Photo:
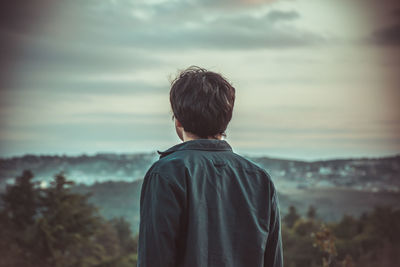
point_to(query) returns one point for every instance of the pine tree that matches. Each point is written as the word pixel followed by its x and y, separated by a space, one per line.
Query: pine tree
pixel 311 213
pixel 55 227
pixel 291 218
pixel 17 218
pixel 20 201
pixel 67 225
pixel 127 243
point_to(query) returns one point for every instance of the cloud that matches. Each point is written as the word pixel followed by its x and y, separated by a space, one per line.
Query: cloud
pixel 272 30
pixel 77 38
pixel 277 15
pixel 101 37
pixel 219 31
pixel 166 25
pixel 60 87
pixel 238 31
pixel 55 57
pixel 236 3
pixel 90 71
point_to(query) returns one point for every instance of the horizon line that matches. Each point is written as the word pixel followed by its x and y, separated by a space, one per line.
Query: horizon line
pixel 255 155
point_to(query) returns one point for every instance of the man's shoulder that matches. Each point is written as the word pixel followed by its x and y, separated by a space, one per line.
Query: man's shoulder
pixel 255 168
pixel 167 166
pixel 249 164
pixel 177 163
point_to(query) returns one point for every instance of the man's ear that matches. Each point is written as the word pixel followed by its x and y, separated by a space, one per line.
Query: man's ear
pixel 178 123
pixel 179 129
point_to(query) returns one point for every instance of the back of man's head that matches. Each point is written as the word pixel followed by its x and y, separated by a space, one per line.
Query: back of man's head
pixel 202 101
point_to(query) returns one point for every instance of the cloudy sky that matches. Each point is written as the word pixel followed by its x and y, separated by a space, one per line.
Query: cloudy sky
pixel 315 79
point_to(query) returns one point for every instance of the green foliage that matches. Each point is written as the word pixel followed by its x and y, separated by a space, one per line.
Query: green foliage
pixel 347 228
pixel 311 213
pixel 385 222
pixel 304 227
pixel 126 242
pixel 371 240
pixel 298 244
pixel 325 241
pixel 56 227
pixel 291 217
pixel 17 222
pixel 19 201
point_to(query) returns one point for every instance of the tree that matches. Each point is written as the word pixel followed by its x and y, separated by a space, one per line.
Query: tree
pixel 67 225
pixel 291 217
pixel 304 227
pixel 325 241
pixel 127 243
pixel 385 222
pixel 311 213
pixel 20 201
pixel 17 218
pixel 347 228
pixel 59 228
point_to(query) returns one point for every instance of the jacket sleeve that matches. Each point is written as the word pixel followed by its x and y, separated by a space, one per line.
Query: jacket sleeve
pixel 160 212
pixel 273 256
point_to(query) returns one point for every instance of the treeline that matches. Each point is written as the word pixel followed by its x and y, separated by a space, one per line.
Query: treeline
pixel 371 240
pixel 55 227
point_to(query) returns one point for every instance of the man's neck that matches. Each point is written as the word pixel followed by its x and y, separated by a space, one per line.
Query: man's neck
pixel 189 136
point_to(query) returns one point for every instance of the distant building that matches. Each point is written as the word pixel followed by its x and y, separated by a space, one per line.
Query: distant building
pixel 324 170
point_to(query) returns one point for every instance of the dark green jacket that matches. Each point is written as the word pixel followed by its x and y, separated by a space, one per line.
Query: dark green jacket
pixel 203 205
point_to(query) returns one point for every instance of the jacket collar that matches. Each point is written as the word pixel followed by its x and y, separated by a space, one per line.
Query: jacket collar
pixel 198 144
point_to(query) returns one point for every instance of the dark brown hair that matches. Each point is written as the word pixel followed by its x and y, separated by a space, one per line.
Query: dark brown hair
pixel 202 101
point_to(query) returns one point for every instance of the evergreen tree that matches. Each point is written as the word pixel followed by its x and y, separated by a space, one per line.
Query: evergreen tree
pixel 67 225
pixel 311 213
pixel 20 201
pixel 54 227
pixel 347 228
pixel 305 227
pixel 127 243
pixel 384 221
pixel 17 221
pixel 291 218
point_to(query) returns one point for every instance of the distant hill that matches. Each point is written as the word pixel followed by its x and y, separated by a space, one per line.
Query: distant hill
pixel 81 169
pixel 367 174
pixel 334 187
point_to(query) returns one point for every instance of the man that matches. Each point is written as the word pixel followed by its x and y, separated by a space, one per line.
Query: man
pixel 201 204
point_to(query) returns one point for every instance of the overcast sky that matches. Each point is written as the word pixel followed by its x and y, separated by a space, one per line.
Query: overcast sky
pixel 315 79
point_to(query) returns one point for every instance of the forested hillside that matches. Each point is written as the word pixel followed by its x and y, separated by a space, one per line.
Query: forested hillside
pixel 362 174
pixel 68 225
